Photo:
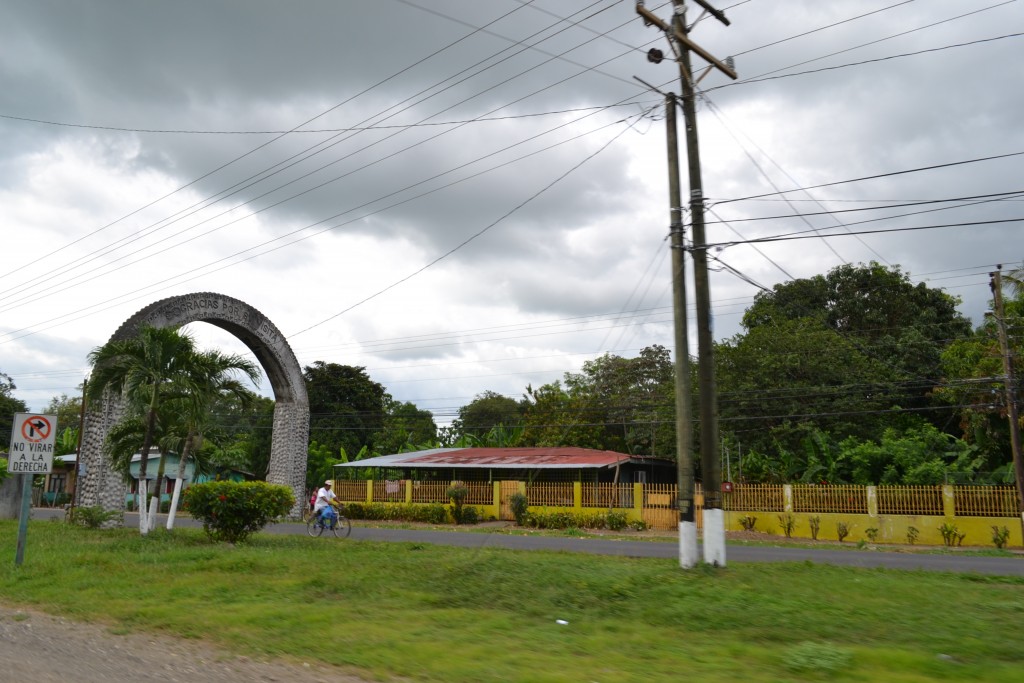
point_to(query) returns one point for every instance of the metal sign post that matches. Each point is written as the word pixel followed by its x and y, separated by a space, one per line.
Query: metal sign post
pixel 32 441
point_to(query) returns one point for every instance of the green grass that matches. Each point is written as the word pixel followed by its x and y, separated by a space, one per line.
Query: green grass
pixel 433 613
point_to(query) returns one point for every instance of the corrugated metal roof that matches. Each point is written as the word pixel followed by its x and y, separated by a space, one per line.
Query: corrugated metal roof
pixel 497 458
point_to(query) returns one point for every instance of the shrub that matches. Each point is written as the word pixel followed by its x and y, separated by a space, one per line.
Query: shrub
pixel 912 533
pixel 815 524
pixel 519 504
pixel 788 523
pixel 435 513
pixel 457 493
pixel 842 530
pixel 871 533
pixel 1000 536
pixel 951 535
pixel 614 520
pixel 94 516
pixel 470 515
pixel 231 511
pixel 638 525
pixel 617 520
pixel 748 522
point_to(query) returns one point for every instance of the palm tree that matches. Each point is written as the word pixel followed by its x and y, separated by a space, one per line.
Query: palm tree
pixel 213 375
pixel 1015 279
pixel 141 369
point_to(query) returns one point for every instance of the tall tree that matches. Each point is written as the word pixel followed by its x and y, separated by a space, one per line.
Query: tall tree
pixel 486 411
pixel 246 426
pixel 211 375
pixel 142 369
pixel 634 397
pixel 840 352
pixel 901 324
pixel 346 407
pixel 614 403
pixel 973 383
pixel 557 416
pixel 406 427
pixel 67 409
pixel 8 407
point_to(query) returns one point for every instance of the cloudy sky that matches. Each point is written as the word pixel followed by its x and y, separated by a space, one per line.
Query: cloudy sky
pixel 464 196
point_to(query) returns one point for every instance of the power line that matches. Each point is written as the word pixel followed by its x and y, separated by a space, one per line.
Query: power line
pixel 1001 196
pixel 873 177
pixel 256 178
pixel 35 296
pixel 277 239
pixel 882 40
pixel 800 236
pixel 471 238
pixel 349 129
pixel 868 61
pixel 269 142
pixel 821 28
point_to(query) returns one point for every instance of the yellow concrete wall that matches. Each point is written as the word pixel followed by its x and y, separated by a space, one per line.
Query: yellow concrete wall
pixel 891 528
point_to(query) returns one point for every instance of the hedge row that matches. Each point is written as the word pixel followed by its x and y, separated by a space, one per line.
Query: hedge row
pixel 434 513
pixel 616 521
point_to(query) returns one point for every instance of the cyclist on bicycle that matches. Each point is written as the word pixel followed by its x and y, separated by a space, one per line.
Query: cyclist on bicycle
pixel 324 509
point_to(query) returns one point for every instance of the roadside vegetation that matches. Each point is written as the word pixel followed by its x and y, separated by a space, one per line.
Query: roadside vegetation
pixel 430 613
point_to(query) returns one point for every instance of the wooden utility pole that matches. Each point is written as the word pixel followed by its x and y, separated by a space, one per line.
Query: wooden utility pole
pixel 78 449
pixel 688 556
pixel 1009 387
pixel 711 466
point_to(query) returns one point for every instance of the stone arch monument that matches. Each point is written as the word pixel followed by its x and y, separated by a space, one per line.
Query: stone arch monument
pixel 289 444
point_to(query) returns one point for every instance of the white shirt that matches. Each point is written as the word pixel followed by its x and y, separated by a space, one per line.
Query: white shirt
pixel 323 498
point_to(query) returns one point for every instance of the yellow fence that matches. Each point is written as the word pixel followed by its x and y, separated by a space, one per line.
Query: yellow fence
pixel 756 497
pixel 910 500
pixel 885 513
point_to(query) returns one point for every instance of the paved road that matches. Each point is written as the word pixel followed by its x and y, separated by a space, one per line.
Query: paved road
pixel 946 562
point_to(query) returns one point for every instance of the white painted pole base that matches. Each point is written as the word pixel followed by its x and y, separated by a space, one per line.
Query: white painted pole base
pixel 154 507
pixel 143 509
pixel 688 554
pixel 172 513
pixel 714 537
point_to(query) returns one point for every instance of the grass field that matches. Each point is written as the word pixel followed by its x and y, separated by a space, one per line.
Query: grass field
pixel 433 613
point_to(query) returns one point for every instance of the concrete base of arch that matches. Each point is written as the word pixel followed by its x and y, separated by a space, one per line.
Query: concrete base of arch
pixel 100 485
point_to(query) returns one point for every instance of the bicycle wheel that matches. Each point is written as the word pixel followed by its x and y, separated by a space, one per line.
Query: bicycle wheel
pixel 342 527
pixel 313 527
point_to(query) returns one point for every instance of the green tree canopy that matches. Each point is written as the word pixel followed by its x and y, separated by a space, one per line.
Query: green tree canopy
pixel 851 352
pixel 613 403
pixel 406 427
pixel 901 324
pixel 486 411
pixel 347 408
pixel 973 380
pixel 8 407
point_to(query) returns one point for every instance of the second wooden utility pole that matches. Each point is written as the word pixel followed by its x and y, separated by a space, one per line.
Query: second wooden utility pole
pixel 688 556
pixel 711 466
pixel 1009 388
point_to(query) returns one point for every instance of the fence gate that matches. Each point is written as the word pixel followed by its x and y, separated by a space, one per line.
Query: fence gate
pixel 507 489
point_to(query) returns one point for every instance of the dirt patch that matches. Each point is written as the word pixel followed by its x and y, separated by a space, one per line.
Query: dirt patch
pixel 45 649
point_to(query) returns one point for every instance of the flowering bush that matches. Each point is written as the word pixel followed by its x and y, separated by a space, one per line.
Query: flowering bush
pixel 231 510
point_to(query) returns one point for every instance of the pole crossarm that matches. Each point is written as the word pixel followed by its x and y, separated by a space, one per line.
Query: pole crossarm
pixel 681 36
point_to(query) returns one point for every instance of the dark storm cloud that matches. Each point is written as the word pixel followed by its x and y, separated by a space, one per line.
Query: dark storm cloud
pixel 579 248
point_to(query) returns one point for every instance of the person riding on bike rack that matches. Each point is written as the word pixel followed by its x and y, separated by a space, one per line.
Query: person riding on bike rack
pixel 324 508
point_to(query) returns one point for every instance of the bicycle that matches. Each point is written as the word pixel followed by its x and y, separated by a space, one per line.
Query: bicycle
pixel 315 526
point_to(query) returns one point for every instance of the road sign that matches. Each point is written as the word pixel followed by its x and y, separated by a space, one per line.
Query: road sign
pixel 32 441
